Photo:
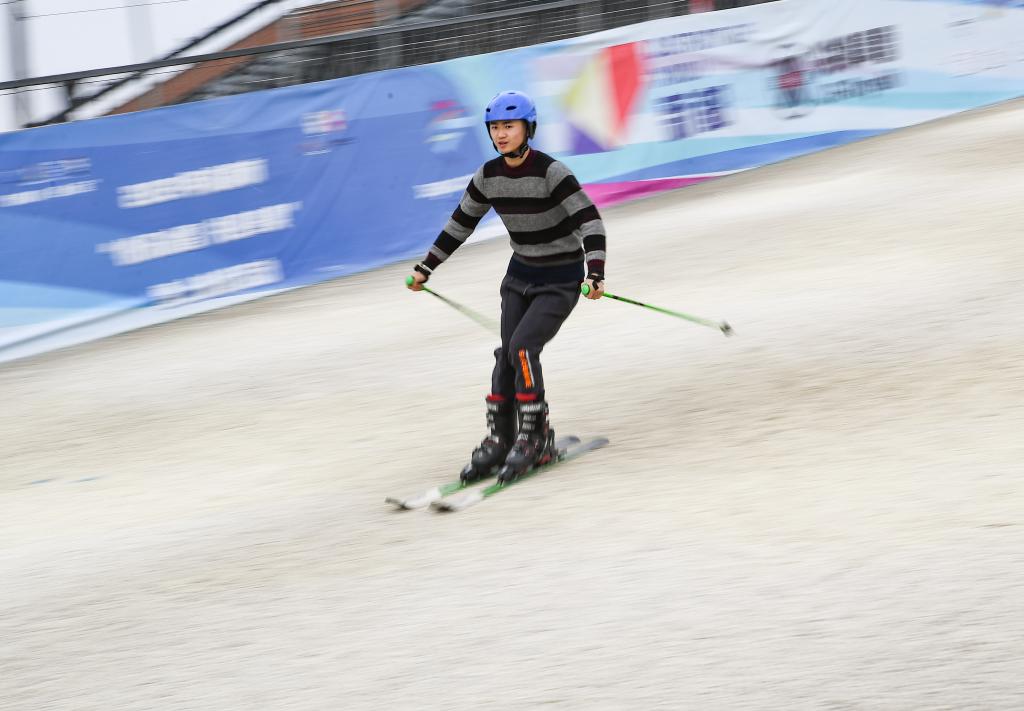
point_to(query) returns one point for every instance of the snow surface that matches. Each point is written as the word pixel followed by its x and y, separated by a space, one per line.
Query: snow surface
pixel 823 512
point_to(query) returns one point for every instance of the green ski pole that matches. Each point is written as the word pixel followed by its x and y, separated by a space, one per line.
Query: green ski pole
pixel 721 326
pixel 487 323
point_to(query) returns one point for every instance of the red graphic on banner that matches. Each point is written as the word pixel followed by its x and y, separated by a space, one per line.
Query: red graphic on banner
pixel 601 100
pixel 626 72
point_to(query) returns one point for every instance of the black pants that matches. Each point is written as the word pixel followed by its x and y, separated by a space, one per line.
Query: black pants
pixel 531 315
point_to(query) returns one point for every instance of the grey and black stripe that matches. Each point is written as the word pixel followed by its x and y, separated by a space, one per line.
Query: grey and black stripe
pixel 552 223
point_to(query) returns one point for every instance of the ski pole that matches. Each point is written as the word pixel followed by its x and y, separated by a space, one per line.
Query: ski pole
pixel 464 310
pixel 721 326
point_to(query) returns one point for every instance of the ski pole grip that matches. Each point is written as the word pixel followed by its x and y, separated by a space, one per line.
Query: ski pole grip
pixel 408 281
pixel 585 289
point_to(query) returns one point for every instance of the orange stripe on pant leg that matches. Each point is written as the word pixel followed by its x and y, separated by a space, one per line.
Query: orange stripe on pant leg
pixel 525 364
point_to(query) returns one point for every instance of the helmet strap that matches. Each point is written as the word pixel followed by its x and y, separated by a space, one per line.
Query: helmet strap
pixel 517 153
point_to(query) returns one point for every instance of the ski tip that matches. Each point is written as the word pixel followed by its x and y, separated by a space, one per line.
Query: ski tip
pixel 415 502
pixel 585 446
pixel 400 505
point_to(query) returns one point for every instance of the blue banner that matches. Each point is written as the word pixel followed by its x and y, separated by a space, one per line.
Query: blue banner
pixel 189 203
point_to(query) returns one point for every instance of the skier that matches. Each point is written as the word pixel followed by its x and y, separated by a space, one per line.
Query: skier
pixel 555 229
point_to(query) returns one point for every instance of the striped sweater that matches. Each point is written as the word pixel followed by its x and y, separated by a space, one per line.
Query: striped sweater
pixel 552 223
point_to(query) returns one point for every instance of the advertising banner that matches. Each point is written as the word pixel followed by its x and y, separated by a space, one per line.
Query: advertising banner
pixel 112 223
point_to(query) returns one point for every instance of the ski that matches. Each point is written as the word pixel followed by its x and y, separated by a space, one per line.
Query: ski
pixel 426 498
pixel 470 498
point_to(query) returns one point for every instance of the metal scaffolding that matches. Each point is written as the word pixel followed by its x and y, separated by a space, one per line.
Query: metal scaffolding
pixel 434 32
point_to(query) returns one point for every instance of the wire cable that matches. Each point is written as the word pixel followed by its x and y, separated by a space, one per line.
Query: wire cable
pixel 100 9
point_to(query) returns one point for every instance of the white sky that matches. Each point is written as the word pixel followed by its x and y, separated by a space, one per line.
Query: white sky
pixel 75 42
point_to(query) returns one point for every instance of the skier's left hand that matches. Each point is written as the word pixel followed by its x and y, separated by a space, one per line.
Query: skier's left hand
pixel 596 285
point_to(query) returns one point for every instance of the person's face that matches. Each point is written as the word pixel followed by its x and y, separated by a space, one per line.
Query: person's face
pixel 508 135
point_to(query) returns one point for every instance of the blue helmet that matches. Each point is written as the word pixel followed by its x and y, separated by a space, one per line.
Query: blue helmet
pixel 512 106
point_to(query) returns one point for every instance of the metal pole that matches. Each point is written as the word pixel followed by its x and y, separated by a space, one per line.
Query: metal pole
pixel 19 60
pixel 141 30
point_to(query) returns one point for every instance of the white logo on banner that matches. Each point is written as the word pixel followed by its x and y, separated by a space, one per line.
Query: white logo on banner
pixel 452 186
pixel 194 183
pixel 318 123
pixel 189 238
pixel 325 130
pixel 219 282
pixel 29 197
pixel 48 171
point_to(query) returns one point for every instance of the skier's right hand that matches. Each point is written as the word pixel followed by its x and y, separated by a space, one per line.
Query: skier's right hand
pixel 417 281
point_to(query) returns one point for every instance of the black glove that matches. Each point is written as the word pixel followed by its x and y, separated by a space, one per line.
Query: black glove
pixel 424 270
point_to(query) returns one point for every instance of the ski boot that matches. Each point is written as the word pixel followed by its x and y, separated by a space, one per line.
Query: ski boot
pixel 535 445
pixel 492 451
